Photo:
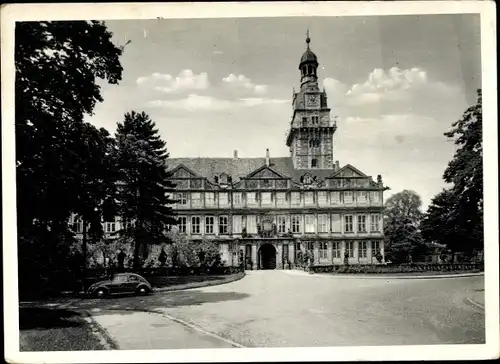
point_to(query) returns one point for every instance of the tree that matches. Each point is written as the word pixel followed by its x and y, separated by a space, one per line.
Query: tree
pixel 401 229
pixel 141 157
pixel 441 223
pixel 57 65
pixel 465 172
pixel 455 216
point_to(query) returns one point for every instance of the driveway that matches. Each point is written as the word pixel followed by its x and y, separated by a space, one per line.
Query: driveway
pixel 282 309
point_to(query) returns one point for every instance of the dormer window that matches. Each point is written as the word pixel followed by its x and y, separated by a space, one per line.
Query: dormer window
pixel 216 179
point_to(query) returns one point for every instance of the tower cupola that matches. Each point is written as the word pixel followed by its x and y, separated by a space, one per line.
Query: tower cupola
pixel 308 64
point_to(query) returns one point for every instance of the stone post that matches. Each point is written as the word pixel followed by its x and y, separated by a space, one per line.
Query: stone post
pixel 279 255
pixel 291 253
pixel 254 256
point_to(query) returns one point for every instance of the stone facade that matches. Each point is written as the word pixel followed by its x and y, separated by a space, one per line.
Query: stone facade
pixel 267 211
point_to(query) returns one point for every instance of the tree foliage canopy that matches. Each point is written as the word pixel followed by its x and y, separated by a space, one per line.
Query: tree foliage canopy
pixel 455 216
pixel 402 235
pixel 60 159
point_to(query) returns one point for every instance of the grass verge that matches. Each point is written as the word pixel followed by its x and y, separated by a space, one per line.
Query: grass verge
pixel 56 329
pixel 176 283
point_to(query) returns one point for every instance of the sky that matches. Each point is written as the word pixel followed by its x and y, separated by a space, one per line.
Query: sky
pixel 212 86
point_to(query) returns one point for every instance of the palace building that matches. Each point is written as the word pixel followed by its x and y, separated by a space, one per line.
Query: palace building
pixel 267 211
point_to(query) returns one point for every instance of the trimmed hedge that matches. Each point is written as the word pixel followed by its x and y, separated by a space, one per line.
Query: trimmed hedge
pixel 402 268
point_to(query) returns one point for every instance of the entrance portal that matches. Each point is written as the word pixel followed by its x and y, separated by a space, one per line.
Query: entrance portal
pixel 267 256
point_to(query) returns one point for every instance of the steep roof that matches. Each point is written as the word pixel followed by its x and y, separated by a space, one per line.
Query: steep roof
pixel 241 167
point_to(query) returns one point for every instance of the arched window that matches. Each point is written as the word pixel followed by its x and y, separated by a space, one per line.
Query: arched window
pixel 314 163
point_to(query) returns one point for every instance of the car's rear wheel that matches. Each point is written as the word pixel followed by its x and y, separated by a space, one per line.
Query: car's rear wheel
pixel 142 290
pixel 101 293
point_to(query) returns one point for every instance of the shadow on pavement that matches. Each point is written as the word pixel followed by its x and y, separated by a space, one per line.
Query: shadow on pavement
pixel 158 300
pixel 47 318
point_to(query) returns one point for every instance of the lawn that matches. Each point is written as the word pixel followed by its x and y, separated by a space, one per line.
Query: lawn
pixel 55 329
pixel 194 281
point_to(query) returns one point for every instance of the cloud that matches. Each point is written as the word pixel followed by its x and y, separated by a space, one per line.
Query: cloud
pixel 195 102
pixel 184 81
pixel 396 91
pixel 241 81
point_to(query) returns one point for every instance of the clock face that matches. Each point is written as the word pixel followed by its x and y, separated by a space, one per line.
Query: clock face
pixel 312 100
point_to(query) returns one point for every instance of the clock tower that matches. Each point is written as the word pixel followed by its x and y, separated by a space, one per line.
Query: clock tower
pixel 310 137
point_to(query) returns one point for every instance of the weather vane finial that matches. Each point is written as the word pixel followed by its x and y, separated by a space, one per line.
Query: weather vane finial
pixel 308 40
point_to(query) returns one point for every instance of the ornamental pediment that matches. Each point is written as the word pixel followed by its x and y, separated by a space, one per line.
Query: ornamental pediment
pixel 265 172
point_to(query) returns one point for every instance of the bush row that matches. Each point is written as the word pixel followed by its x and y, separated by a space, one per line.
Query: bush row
pixel 402 268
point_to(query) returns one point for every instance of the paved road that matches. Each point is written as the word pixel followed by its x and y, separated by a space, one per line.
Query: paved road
pixel 280 309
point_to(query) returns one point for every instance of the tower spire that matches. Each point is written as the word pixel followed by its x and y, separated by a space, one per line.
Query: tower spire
pixel 308 40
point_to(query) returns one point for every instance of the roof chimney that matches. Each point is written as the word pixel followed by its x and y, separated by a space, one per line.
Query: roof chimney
pixel 267 157
pixel 235 154
pixel 337 165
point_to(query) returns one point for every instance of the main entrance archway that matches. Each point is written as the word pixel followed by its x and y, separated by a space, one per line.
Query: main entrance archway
pixel 267 256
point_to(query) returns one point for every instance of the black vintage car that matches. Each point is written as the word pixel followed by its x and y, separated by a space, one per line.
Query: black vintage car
pixel 120 283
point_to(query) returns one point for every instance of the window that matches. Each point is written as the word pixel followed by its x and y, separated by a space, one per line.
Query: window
pixel 309 198
pixel 310 245
pixel 322 198
pixel 349 249
pixel 362 223
pixel 195 225
pixel 375 247
pixel 237 224
pixel 314 143
pixel 265 183
pixel 323 250
pixel 251 224
pixel 281 224
pixel 314 163
pixel 362 196
pixel 375 226
pixel 109 227
pixel 182 198
pixel 347 196
pixel 336 223
pixel 266 198
pixel 223 199
pixel 223 224
pixel 237 200
pixel 297 250
pixel 295 223
pixel 374 196
pixel 309 228
pixel 362 249
pixel 335 198
pixel 281 198
pixel 322 225
pixel 348 228
pixel 182 224
pixel 77 225
pixel 336 249
pixel 251 198
pixel 209 224
pixel 304 121
pixel 209 198
pixel 315 119
pixel 196 199
pixel 295 198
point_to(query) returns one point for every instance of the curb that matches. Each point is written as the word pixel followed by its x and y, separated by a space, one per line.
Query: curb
pixel 474 303
pixel 387 277
pixel 187 324
pixel 100 332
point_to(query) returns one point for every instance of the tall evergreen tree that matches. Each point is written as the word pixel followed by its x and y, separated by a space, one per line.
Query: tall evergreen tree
pixel 144 189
